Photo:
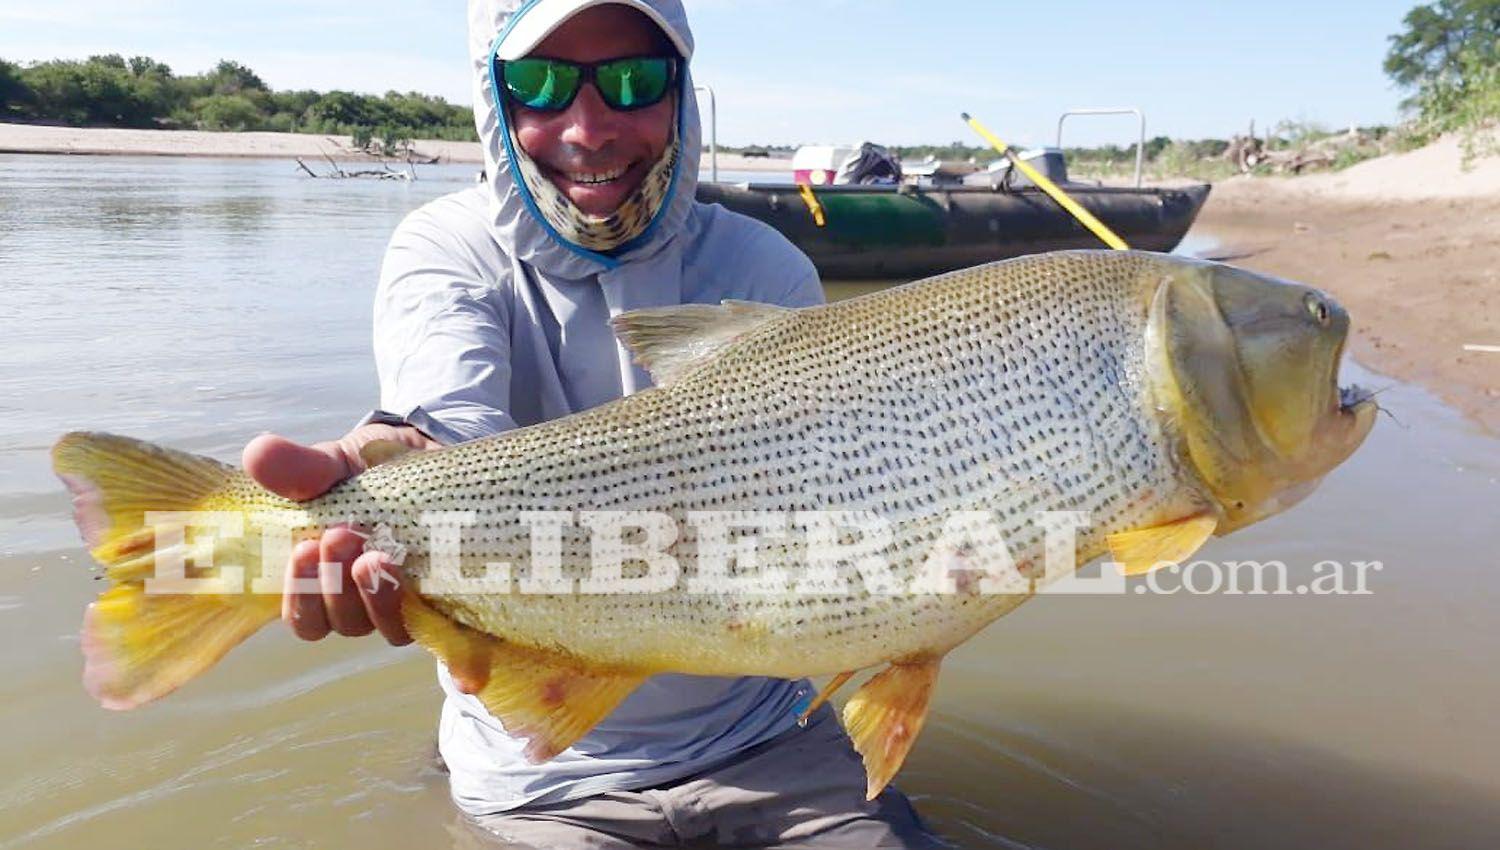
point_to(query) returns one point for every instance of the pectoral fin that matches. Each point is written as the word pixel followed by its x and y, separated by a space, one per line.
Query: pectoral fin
pixel 1141 551
pixel 884 717
pixel 546 698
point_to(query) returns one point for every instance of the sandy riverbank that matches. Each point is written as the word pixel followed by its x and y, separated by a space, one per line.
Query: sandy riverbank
pixel 30 138
pixel 1410 244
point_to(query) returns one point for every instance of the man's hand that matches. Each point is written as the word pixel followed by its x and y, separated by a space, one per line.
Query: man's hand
pixel 363 593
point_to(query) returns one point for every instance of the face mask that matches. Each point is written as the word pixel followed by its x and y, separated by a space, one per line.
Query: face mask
pixel 594 233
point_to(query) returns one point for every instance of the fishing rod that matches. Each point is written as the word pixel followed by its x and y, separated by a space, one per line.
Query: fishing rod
pixel 1097 227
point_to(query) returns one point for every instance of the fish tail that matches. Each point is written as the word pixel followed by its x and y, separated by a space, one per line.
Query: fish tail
pixel 140 643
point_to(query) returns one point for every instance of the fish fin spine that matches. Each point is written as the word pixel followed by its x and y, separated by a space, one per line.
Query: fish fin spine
pixel 670 341
pixel 824 695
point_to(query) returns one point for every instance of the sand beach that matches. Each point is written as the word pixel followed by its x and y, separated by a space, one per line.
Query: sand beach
pixel 104 141
pixel 1409 243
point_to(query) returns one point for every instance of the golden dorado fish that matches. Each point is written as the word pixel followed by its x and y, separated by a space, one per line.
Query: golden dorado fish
pixel 804 492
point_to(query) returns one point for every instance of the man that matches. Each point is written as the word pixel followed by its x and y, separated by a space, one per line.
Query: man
pixel 493 312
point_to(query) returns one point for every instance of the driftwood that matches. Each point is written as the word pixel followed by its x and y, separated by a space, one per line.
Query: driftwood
pixel 407 153
pixel 1298 161
pixel 1249 152
pixel 338 173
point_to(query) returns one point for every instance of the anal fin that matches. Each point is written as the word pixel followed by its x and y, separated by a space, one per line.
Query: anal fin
pixel 546 698
pixel 886 714
pixel 1143 550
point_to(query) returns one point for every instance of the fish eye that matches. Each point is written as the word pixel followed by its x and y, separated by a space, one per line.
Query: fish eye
pixel 1319 310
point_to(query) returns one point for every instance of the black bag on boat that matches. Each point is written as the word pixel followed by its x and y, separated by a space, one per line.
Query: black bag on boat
pixel 870 165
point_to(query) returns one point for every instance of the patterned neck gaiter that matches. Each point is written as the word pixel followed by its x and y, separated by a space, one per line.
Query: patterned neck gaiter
pixel 593 232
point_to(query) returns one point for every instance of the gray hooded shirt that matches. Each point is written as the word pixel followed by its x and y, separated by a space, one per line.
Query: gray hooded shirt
pixel 486 320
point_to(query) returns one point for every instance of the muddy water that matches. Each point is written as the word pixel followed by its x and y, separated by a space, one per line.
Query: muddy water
pixel 200 302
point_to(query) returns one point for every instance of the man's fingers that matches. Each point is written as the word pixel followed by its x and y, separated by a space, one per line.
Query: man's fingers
pixel 380 585
pixel 346 612
pixel 293 470
pixel 304 611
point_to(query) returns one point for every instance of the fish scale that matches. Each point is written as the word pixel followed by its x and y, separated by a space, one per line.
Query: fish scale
pixel 1012 388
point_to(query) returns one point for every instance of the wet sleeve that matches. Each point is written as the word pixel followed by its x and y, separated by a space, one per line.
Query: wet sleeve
pixel 441 335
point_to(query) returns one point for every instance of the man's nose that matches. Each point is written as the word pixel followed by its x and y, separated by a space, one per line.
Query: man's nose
pixel 591 123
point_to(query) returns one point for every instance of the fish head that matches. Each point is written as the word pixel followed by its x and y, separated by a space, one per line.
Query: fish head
pixel 1247 366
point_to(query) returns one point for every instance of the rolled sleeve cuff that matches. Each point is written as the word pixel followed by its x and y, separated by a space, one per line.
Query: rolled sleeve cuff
pixel 416 418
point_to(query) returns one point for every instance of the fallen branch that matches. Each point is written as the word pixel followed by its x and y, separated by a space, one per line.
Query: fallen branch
pixel 338 173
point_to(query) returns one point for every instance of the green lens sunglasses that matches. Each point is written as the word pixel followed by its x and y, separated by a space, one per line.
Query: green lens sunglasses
pixel 550 85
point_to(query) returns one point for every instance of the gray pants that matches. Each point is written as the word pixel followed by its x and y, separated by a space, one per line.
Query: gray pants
pixel 803 788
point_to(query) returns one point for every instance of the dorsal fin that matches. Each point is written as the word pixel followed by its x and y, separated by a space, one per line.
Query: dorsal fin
pixel 669 341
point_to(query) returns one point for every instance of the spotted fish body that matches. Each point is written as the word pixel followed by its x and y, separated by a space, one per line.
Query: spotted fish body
pixel 1014 388
pixel 1164 399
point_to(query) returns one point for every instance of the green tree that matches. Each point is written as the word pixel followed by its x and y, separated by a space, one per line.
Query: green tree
pixel 233 112
pixel 98 91
pixel 113 61
pixel 339 110
pixel 1449 55
pixel 112 90
pixel 233 78
pixel 15 95
pixel 145 66
pixel 1444 38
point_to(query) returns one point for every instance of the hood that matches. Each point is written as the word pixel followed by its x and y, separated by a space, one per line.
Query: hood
pixel 514 220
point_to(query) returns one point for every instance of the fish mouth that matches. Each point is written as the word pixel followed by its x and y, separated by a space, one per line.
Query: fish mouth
pixel 1354 396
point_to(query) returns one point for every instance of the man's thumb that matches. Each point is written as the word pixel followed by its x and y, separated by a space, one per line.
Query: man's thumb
pixel 293 470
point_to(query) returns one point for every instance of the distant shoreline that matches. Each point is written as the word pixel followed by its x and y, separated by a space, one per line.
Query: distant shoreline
pixel 110 141
pixel 1406 241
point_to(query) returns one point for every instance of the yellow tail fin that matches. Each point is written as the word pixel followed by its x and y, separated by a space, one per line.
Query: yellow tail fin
pixel 139 646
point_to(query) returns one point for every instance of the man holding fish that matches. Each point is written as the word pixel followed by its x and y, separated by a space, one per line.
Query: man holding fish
pixel 493 313
pixel 1148 402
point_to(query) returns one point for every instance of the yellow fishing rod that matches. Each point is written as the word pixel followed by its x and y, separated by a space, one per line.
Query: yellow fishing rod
pixel 1087 218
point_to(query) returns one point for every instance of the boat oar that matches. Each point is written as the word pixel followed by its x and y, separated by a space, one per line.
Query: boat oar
pixel 1087 218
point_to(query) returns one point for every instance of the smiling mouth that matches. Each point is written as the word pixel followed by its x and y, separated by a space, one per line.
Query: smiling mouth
pixel 596 178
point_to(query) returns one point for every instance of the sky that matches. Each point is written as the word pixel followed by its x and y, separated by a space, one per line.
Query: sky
pixel 805 71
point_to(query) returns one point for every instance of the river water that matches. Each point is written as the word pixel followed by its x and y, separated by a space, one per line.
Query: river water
pixel 199 302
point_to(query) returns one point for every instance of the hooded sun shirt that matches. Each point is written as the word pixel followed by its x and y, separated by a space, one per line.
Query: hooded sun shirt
pixel 594 233
pixel 492 314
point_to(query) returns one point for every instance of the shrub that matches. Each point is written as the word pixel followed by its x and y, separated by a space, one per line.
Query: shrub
pixel 227 112
pixel 1449 56
pixel 15 95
